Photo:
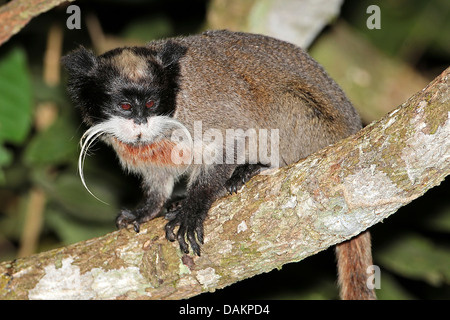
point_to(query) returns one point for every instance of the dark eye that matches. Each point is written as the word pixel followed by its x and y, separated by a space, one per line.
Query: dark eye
pixel 150 104
pixel 125 106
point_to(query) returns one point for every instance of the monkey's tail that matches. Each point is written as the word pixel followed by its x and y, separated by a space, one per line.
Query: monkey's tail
pixel 353 258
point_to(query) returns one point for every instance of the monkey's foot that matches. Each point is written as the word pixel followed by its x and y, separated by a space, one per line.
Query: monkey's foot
pixel 190 227
pixel 241 175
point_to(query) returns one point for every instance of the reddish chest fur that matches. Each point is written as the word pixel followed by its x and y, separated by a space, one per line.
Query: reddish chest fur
pixel 158 153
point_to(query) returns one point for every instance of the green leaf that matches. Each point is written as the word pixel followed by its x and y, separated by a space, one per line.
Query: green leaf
pixel 15 97
pixel 15 103
pixel 416 257
pixel 391 289
pixel 440 221
pixel 68 192
pixel 5 159
pixel 53 146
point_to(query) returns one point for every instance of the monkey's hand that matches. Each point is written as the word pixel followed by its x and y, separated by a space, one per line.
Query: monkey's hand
pixel 126 218
pixel 189 219
pixel 134 218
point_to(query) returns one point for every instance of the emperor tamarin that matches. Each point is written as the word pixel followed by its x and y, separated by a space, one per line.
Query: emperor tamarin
pixel 136 98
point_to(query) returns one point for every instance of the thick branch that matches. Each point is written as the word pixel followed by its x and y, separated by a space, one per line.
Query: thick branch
pixel 295 212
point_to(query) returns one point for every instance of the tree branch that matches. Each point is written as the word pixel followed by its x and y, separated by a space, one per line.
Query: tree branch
pixel 16 14
pixel 279 218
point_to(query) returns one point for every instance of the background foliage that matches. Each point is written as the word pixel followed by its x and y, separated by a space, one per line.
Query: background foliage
pixel 43 204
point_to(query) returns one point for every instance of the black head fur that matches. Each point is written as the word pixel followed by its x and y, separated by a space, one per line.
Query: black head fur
pixel 99 85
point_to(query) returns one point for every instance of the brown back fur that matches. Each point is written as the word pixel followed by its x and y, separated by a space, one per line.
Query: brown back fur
pixel 270 84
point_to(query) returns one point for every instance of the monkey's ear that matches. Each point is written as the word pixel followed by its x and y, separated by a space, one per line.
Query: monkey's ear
pixel 79 62
pixel 171 53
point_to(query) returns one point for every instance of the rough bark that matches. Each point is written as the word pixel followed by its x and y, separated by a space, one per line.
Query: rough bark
pixel 294 212
pixel 16 14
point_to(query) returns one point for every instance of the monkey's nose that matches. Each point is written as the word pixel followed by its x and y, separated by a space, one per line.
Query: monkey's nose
pixel 140 120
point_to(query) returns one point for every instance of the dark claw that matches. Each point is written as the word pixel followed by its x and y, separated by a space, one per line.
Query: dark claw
pixel 126 218
pixel 170 235
pixel 195 246
pixel 136 226
pixel 180 237
pixel 193 239
pixel 199 232
pixel 233 187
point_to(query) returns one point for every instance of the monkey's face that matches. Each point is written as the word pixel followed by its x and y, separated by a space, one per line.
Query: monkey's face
pixel 131 91
pixel 127 96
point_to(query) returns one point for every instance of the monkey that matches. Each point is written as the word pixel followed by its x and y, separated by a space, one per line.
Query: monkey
pixel 137 99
